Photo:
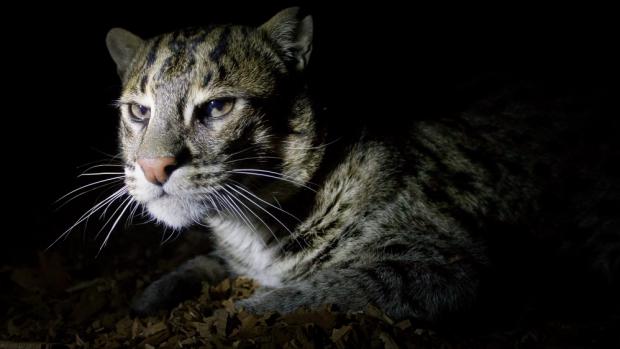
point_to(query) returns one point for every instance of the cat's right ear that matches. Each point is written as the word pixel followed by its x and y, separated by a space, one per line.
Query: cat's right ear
pixel 293 34
pixel 122 46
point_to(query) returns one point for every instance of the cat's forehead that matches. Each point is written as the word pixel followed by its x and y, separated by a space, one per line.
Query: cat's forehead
pixel 203 57
pixel 181 52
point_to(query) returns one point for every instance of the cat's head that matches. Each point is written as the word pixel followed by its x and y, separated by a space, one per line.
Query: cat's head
pixel 211 116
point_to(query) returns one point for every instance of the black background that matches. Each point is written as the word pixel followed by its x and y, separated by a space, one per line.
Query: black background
pixel 374 61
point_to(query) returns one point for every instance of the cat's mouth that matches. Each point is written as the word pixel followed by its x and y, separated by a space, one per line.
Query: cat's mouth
pixel 168 203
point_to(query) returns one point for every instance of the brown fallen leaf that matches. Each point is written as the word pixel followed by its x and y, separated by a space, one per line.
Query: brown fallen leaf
pixel 90 303
pixel 378 314
pixel 388 341
pixel 155 328
pixel 404 324
pixel 339 333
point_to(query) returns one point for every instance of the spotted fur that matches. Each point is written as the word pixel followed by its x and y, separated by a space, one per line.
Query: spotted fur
pixel 401 220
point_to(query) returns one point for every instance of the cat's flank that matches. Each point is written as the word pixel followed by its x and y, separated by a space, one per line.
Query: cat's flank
pixel 217 130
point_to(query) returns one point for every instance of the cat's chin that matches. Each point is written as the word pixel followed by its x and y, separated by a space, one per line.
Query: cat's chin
pixel 174 212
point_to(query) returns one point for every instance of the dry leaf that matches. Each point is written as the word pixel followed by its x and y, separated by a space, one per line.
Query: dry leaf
pixel 340 333
pixel 388 341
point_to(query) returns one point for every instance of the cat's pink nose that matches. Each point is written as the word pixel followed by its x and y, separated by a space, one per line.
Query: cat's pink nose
pixel 157 170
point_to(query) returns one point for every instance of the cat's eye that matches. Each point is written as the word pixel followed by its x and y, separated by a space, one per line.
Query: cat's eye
pixel 216 108
pixel 139 113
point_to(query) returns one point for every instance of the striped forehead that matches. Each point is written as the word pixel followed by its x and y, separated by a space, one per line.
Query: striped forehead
pixel 180 55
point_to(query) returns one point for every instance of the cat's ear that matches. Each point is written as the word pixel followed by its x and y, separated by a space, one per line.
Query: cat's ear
pixel 293 34
pixel 122 46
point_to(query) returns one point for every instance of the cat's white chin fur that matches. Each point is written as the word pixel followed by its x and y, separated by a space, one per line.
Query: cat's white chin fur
pixel 171 211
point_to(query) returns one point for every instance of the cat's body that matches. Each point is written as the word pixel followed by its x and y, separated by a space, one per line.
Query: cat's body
pixel 218 130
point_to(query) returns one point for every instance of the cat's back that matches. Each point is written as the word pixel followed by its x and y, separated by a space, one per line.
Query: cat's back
pixel 524 164
pixel 525 159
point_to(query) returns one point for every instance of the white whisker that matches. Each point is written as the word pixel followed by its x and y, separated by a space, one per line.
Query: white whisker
pixel 255 215
pixel 98 162
pixel 130 217
pixel 165 239
pixel 214 205
pixel 312 148
pixel 274 177
pixel 267 212
pixel 98 166
pixel 89 212
pixel 85 192
pixel 88 185
pixel 107 206
pixel 223 204
pixel 252 158
pixel 105 241
pixel 100 174
pixel 243 216
pixel 112 215
pixel 265 202
pixel 239 152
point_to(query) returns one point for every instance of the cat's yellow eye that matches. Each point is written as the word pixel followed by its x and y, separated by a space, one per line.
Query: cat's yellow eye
pixel 139 113
pixel 216 108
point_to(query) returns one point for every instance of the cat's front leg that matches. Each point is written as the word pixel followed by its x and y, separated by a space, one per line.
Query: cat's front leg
pixel 403 289
pixel 180 284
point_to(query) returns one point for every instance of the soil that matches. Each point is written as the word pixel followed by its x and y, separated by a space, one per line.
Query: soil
pixel 72 297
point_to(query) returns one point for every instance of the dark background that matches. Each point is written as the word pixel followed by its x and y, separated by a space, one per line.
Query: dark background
pixel 59 82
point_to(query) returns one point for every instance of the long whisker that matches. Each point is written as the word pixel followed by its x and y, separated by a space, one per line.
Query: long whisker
pixel 214 205
pixel 105 241
pixel 130 217
pixel 274 177
pixel 239 152
pixel 252 158
pixel 313 148
pixel 242 215
pixel 97 162
pixel 267 212
pixel 171 237
pixel 88 185
pixel 106 206
pixel 112 215
pixel 265 202
pixel 265 171
pixel 105 210
pixel 106 202
pixel 255 215
pixel 86 192
pixel 89 212
pixel 223 203
pixel 102 165
pixel 100 174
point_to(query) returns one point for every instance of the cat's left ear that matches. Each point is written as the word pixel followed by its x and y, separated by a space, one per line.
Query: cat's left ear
pixel 122 46
pixel 293 35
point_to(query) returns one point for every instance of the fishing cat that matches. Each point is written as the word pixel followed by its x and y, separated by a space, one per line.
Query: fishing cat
pixel 217 129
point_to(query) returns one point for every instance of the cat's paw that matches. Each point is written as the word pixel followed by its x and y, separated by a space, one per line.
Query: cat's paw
pixel 179 285
pixel 165 293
